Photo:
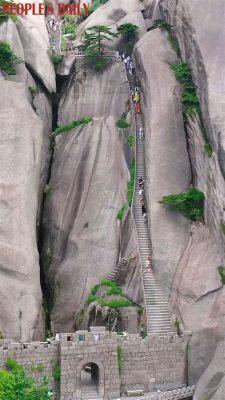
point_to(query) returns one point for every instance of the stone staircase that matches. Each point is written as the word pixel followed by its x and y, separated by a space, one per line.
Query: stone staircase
pixel 122 264
pixel 157 311
pixel 89 389
pixel 90 392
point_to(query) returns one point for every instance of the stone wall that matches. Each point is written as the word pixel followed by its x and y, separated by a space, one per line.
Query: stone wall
pixel 39 359
pixel 156 362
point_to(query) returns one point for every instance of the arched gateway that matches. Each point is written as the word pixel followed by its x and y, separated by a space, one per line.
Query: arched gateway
pixel 90 379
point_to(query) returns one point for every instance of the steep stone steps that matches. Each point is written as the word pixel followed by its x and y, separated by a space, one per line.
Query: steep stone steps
pixel 158 316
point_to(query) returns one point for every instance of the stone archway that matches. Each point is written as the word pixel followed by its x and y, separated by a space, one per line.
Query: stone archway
pixel 90 378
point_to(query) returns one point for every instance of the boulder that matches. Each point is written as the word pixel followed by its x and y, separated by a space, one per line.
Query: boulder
pixel 35 41
pixel 114 14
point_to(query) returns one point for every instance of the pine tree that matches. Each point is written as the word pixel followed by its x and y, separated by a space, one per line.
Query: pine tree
pixel 94 44
pixel 128 31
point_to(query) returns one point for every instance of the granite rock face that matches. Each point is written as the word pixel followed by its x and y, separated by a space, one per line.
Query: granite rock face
pixel 187 264
pixel 114 14
pixel 82 239
pixel 20 292
pixel 167 165
pixel 25 124
pixel 197 37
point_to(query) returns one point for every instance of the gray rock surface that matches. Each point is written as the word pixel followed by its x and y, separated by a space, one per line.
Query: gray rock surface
pixel 197 295
pixel 197 37
pixel 211 383
pixel 114 14
pixel 188 266
pixel 35 41
pixel 20 163
pixel 89 185
pixel 24 170
pixel 151 9
pixel 168 168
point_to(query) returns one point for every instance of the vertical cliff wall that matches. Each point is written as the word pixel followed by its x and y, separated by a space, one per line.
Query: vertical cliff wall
pixel 25 124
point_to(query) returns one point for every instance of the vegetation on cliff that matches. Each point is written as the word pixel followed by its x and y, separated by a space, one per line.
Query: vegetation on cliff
pixel 189 97
pixel 73 124
pixel 96 4
pixel 8 59
pixel 189 204
pixel 96 295
pixel 4 17
pixel 130 185
pixel 128 32
pixel 94 45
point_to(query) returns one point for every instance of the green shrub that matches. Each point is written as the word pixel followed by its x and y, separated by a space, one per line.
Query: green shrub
pixel 71 19
pixel 95 289
pixel 8 59
pixel 33 91
pixel 222 226
pixel 115 303
pixel 128 31
pixel 114 288
pixel 57 373
pixel 120 357
pixel 7 15
pixel 140 310
pixel 130 185
pixel 14 384
pixel 122 123
pixel 11 364
pixel 189 98
pixel 56 58
pixel 162 24
pixel 177 324
pixel 121 212
pixel 96 4
pixel 189 204
pixel 91 298
pixel 72 125
pixel 208 149
pixel 221 270
pixel 130 140
pixel 182 72
pixel 38 368
pixel 69 28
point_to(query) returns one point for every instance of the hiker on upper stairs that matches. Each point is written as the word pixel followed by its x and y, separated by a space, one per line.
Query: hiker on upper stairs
pixel 141 132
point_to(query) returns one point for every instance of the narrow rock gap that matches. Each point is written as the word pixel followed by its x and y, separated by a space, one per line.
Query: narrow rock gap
pixel 47 293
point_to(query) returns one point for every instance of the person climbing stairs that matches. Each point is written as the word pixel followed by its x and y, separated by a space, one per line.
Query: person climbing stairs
pixel 157 310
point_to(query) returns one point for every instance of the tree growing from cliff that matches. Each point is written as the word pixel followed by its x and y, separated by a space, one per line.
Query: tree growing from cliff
pixel 95 44
pixel 128 31
pixel 15 385
pixel 8 59
pixel 189 204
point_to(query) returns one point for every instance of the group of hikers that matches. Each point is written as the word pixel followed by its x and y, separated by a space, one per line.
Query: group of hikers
pixel 136 98
pixel 53 24
pixel 141 193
